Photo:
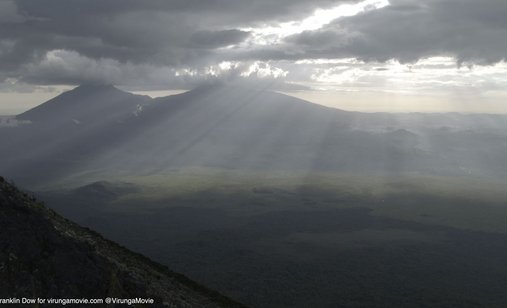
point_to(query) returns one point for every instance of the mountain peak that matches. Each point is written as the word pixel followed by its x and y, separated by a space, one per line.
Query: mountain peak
pixel 85 102
pixel 95 87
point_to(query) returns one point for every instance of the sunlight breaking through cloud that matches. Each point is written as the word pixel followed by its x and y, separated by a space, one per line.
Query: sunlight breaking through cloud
pixel 272 34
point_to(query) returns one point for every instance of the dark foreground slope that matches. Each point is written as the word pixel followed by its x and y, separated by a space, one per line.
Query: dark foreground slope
pixel 44 255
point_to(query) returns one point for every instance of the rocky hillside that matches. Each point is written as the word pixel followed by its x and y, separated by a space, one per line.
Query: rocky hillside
pixel 44 255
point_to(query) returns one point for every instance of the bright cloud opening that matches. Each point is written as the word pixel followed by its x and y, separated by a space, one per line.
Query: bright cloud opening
pixel 321 17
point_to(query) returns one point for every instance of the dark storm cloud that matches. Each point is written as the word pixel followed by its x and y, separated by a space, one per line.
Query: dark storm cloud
pixel 214 39
pixel 9 12
pixel 154 32
pixel 408 30
pixel 119 41
pixel 230 11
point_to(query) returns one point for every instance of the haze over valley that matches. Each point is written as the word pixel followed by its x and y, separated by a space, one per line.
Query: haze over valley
pixel 265 197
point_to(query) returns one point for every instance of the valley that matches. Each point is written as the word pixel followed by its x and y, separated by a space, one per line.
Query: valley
pixel 290 240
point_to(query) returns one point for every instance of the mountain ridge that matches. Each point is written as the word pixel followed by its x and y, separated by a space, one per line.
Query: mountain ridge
pixel 236 127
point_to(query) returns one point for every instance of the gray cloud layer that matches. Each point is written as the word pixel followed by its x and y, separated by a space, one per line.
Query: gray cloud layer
pixel 408 30
pixel 131 41
pixel 172 33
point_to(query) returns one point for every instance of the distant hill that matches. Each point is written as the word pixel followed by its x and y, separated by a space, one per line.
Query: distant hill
pixel 44 255
pixel 87 105
pixel 93 132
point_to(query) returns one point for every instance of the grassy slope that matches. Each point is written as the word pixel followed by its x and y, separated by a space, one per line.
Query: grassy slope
pixel 468 203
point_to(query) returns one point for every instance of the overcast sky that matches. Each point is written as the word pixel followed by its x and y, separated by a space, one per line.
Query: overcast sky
pixel 373 55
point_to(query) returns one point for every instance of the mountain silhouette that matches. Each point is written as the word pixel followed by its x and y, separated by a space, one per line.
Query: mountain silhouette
pixel 87 105
pixel 96 131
